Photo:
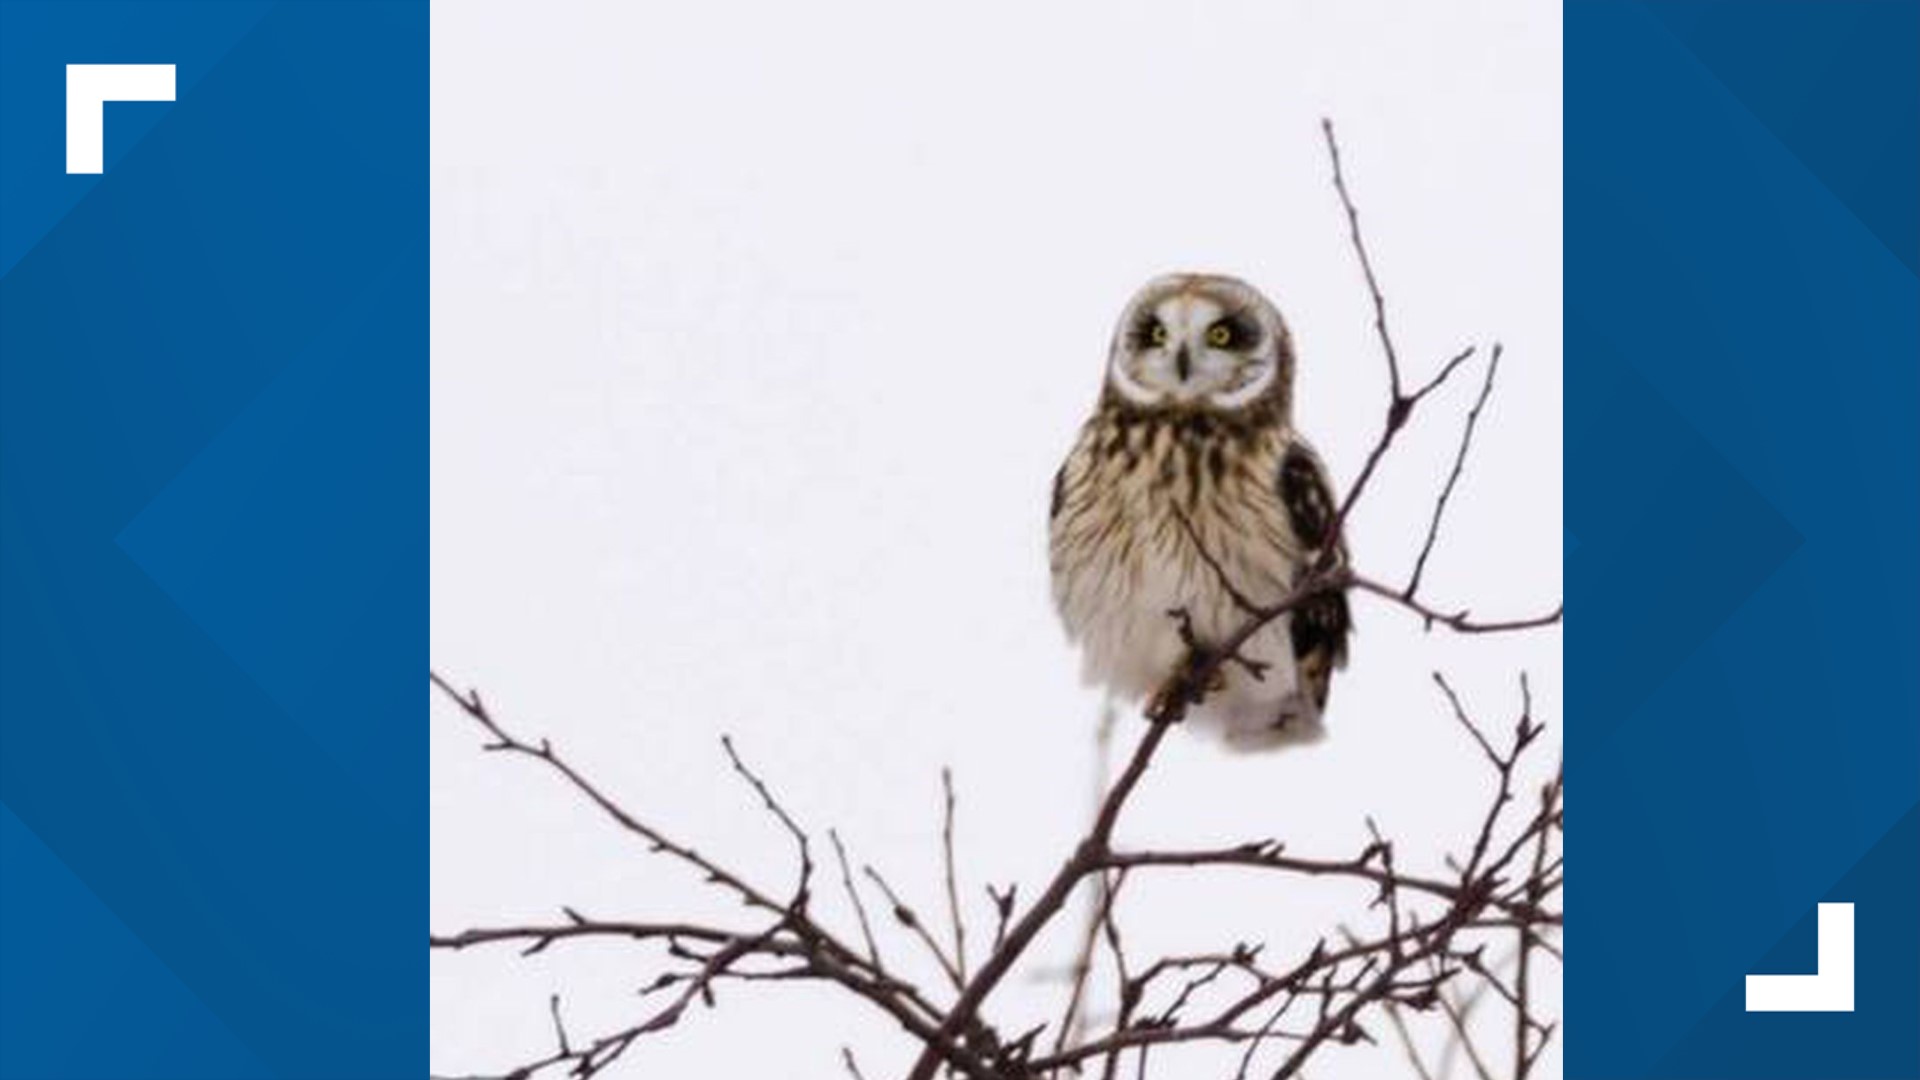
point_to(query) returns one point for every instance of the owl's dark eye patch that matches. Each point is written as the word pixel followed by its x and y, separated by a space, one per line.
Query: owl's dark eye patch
pixel 1148 333
pixel 1236 331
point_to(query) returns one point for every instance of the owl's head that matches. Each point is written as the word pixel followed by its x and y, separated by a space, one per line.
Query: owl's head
pixel 1201 341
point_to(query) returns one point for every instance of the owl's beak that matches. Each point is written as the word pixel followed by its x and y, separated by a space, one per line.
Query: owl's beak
pixel 1183 364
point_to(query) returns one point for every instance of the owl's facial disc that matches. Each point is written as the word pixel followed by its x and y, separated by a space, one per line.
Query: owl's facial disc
pixel 1190 348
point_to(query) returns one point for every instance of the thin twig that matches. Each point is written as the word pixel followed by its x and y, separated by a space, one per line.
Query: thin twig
pixel 1366 263
pixel 853 896
pixel 1453 477
pixel 909 918
pixel 953 889
pixel 779 812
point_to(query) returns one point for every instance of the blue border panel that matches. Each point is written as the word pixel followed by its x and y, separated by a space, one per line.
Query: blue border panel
pixel 1743 473
pixel 213 546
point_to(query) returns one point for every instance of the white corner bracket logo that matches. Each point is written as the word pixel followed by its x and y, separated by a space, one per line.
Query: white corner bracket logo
pixel 1830 989
pixel 89 88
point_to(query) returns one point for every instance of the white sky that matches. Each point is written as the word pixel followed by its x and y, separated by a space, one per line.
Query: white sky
pixel 759 330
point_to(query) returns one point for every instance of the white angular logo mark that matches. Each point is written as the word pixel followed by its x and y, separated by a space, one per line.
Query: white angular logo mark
pixel 89 88
pixel 1828 990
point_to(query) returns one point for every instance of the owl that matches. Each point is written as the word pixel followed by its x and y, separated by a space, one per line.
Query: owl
pixel 1190 471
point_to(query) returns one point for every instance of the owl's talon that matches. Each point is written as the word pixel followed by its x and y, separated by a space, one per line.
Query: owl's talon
pixel 1203 659
pixel 1163 706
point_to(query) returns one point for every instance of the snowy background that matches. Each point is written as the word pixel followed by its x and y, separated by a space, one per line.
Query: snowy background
pixel 758 332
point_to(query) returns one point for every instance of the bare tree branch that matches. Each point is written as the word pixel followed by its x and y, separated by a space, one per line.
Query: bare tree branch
pixel 853 896
pixel 953 888
pixel 1366 263
pixel 909 918
pixel 1453 477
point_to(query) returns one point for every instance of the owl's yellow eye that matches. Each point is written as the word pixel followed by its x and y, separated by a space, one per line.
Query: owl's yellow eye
pixel 1220 335
pixel 1158 335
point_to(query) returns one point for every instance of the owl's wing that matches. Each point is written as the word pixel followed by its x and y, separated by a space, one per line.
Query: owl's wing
pixel 1320 624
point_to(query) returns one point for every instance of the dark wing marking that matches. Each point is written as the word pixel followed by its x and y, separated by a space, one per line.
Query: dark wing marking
pixel 1303 490
pixel 1320 624
pixel 1059 493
